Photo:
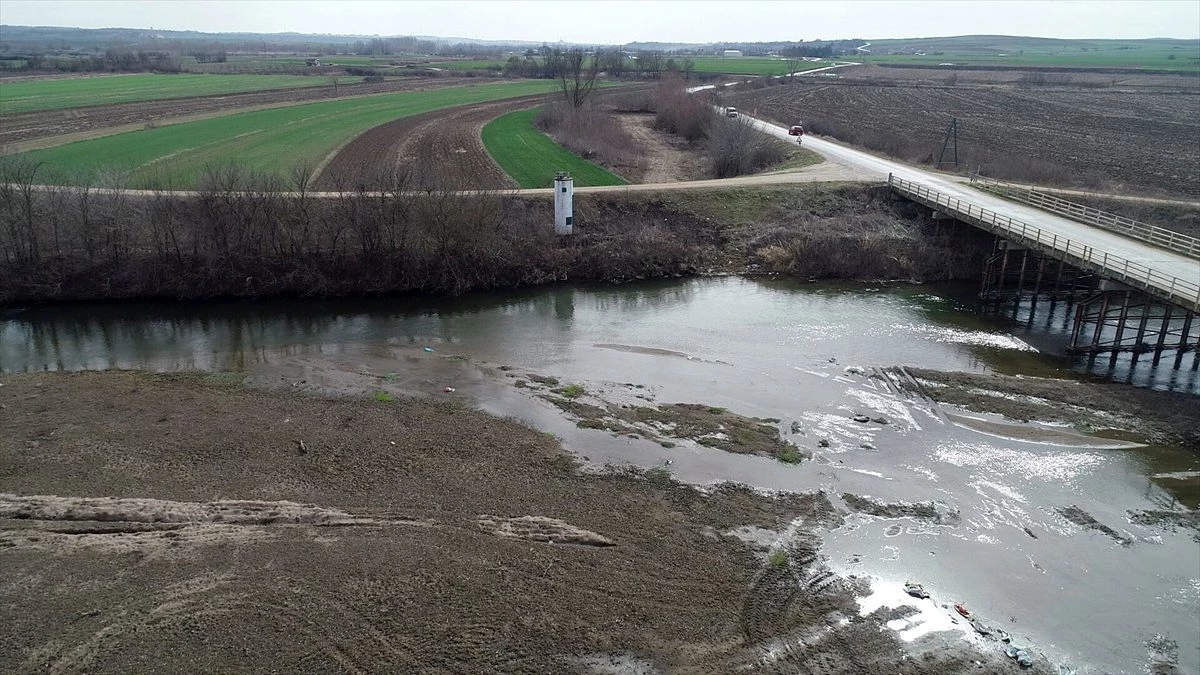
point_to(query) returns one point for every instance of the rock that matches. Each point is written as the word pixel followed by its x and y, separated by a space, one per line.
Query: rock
pixel 862 418
pixel 880 420
pixel 824 443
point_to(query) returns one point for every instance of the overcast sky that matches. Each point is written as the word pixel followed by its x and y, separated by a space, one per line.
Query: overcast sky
pixel 617 22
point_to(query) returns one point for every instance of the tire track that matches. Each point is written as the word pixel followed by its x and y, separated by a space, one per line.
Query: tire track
pixel 441 149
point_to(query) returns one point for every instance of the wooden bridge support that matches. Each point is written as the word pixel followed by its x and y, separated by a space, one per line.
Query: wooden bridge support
pixel 1012 274
pixel 1108 317
pixel 1117 319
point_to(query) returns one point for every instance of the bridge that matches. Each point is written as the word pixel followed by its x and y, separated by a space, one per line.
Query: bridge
pixel 1135 287
pixel 1123 273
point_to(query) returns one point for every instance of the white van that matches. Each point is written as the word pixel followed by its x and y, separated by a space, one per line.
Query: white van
pixel 731 112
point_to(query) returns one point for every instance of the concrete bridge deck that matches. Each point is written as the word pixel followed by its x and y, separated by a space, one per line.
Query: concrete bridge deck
pixel 1168 275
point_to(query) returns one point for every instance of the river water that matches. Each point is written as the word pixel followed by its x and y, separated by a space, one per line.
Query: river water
pixel 775 349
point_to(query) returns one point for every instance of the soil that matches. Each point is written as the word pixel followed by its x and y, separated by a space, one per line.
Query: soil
pixel 669 158
pixel 19 132
pixel 632 411
pixel 1121 138
pixel 192 523
pixel 1169 520
pixel 1085 520
pixel 441 149
pixel 1151 416
pixel 923 511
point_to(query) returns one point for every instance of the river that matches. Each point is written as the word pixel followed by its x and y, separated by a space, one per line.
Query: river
pixel 772 349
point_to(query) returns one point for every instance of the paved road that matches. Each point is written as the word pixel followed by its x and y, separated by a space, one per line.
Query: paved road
pixel 870 167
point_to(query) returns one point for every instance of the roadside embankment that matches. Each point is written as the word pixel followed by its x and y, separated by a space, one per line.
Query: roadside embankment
pixel 69 244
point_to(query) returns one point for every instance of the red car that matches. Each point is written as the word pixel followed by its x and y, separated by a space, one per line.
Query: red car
pixel 796 130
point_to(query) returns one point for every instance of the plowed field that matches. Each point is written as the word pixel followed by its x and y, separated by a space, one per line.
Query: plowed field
pixel 437 149
pixel 1118 139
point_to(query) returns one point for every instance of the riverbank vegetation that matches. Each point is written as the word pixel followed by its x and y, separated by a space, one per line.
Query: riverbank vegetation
pixel 240 237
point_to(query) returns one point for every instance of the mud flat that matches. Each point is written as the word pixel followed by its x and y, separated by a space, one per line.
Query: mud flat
pixel 196 524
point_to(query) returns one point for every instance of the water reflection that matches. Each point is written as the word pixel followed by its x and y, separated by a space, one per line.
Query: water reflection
pixel 768 321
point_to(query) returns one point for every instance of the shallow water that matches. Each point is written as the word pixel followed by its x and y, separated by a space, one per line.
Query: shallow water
pixel 778 350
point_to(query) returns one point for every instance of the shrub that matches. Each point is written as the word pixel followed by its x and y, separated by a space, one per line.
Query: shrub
pixel 591 133
pixel 680 113
pixel 737 148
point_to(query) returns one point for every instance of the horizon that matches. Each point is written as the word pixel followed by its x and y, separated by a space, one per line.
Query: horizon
pixel 609 23
pixel 514 40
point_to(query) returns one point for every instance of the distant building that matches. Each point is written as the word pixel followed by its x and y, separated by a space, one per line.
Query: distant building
pixel 312 62
pixel 731 52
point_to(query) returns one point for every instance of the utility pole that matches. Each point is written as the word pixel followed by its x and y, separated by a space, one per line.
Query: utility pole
pixel 950 144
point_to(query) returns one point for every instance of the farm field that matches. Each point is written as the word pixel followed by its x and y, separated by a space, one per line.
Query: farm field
pixel 1114 59
pixel 1157 54
pixel 739 65
pixel 47 128
pixel 531 158
pixel 748 65
pixel 31 96
pixel 465 64
pixel 270 141
pixel 440 150
pixel 1119 139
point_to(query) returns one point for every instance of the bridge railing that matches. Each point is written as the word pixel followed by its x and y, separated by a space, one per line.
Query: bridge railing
pixel 1182 292
pixel 1151 234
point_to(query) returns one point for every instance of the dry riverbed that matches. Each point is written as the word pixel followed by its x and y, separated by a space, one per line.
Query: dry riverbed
pixel 211 522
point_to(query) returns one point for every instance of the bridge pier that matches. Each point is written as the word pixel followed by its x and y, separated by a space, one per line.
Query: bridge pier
pixel 1102 316
pixel 1109 293
pixel 1104 324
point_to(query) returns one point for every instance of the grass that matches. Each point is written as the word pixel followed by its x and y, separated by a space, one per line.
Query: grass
pixel 532 158
pixel 789 455
pixel 1156 54
pixel 573 391
pixel 22 97
pixel 466 64
pixel 271 141
pixel 778 558
pixel 384 397
pixel 748 65
pixel 799 157
pixel 659 475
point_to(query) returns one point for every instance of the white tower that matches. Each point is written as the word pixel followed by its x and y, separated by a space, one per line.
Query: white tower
pixel 564 203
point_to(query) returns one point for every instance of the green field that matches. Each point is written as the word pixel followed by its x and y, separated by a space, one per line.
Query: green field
pixel 532 158
pixel 20 97
pixel 1155 54
pixel 747 65
pixel 465 64
pixel 734 65
pixel 270 141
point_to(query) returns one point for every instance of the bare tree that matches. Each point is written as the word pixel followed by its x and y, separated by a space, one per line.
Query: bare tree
pixel 333 79
pixel 611 61
pixel 576 75
pixel 650 62
pixel 792 61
